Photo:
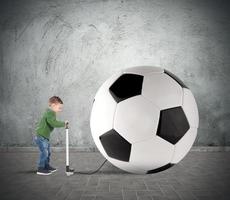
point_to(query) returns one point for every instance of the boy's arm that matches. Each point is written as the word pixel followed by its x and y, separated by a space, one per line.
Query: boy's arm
pixel 51 119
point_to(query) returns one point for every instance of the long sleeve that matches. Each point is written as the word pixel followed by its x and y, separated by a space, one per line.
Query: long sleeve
pixel 51 119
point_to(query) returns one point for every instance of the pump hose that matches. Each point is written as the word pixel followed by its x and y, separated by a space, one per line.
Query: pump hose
pixel 93 172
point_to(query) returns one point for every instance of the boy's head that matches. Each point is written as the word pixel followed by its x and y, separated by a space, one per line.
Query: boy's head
pixel 55 103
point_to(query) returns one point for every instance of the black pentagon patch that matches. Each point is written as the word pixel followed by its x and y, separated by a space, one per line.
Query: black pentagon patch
pixel 115 145
pixel 173 124
pixel 160 169
pixel 173 76
pixel 126 86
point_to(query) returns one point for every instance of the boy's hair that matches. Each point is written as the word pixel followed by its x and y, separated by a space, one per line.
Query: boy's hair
pixel 55 99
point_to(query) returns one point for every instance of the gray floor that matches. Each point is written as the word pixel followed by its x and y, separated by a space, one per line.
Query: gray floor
pixel 201 175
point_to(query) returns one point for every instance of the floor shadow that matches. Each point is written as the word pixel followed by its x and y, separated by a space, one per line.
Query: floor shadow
pixel 106 172
pixel 101 172
pixel 26 172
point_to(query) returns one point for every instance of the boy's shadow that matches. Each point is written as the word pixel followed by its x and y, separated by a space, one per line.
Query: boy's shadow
pixel 27 172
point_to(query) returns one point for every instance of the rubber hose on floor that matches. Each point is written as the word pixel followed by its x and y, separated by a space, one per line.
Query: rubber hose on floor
pixel 93 172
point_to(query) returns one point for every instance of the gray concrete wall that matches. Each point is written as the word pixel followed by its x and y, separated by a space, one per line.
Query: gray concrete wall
pixel 69 48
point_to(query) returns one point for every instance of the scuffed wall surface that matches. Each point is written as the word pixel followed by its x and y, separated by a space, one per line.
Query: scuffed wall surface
pixel 69 48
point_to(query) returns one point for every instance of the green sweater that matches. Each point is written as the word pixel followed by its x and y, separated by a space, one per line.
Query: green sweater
pixel 47 123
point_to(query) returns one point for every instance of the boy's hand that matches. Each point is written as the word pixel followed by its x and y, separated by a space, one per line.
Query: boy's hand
pixel 66 124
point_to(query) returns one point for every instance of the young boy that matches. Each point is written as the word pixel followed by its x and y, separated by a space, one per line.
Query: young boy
pixel 46 125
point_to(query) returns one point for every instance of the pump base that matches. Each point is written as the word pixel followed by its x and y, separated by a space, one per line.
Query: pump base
pixel 69 171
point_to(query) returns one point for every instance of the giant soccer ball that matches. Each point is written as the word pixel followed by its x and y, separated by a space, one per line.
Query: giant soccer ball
pixel 144 119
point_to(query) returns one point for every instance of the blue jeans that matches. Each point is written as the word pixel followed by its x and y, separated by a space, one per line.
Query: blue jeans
pixel 44 148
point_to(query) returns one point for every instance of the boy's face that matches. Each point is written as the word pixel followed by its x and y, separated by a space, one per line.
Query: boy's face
pixel 56 107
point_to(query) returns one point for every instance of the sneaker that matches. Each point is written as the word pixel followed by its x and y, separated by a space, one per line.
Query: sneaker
pixel 42 171
pixel 52 169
